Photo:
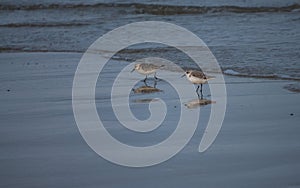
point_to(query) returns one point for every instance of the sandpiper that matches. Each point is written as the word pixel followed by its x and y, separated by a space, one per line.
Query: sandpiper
pixel 146 69
pixel 197 77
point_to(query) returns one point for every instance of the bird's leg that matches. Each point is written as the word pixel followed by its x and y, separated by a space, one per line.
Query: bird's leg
pixel 201 92
pixel 145 79
pixel 197 91
pixel 155 76
pixel 155 83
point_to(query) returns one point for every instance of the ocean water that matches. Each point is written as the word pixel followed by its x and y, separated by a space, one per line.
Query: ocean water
pixel 41 43
pixel 248 37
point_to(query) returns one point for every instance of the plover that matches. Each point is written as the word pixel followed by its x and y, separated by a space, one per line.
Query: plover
pixel 197 77
pixel 146 69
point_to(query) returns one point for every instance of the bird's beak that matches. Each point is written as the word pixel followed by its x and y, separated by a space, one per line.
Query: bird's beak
pixel 132 70
pixel 183 76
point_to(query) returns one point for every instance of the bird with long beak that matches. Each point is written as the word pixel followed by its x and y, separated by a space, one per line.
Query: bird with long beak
pixel 146 69
pixel 198 78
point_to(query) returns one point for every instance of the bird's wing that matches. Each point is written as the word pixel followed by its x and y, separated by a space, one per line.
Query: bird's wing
pixel 198 74
pixel 151 66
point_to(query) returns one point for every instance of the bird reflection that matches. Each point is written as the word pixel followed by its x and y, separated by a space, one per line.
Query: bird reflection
pixel 144 100
pixel 146 89
pixel 198 102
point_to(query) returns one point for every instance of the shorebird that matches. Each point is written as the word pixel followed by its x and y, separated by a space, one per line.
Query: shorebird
pixel 146 69
pixel 197 77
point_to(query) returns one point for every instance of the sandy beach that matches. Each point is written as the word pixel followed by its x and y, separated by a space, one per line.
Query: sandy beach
pixel 258 145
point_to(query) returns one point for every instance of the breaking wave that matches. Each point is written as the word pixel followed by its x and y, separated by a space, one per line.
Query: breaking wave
pixel 43 24
pixel 156 9
pixel 267 76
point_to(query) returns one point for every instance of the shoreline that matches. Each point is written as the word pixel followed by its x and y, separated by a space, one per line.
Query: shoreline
pixel 293 86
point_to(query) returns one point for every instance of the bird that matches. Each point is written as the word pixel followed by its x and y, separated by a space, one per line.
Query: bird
pixel 197 77
pixel 146 69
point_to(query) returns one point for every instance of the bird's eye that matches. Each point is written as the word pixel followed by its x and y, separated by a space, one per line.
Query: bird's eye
pixel 187 72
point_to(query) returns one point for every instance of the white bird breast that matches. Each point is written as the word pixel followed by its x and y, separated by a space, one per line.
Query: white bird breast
pixel 196 80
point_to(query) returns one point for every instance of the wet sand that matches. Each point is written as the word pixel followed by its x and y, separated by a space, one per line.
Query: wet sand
pixel 258 145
